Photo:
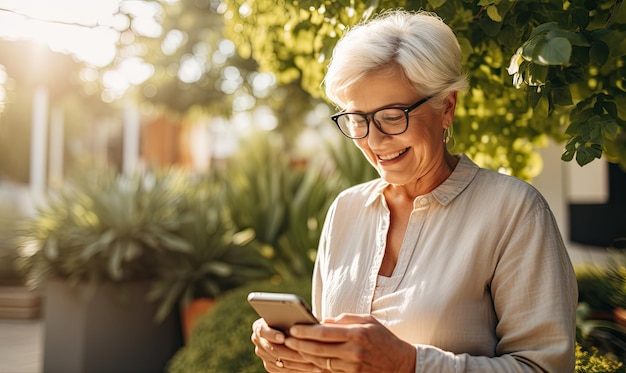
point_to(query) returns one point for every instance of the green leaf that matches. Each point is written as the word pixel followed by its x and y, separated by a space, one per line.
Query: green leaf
pixel 537 75
pixel 133 250
pixel 51 247
pixel 580 17
pixel 586 154
pixel 562 95
pixel 531 48
pixel 555 51
pixel 97 246
pixel 574 127
pixel 609 128
pixel 115 262
pixel 534 96
pixel 570 149
pixel 599 52
pixel 543 28
pixel 436 3
pixel 174 243
pixel 610 107
pixel 217 268
pixel 493 13
pixel 574 38
pixel 490 27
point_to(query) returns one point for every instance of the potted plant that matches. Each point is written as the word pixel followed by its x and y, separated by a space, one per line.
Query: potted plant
pixel 93 248
pixel 220 258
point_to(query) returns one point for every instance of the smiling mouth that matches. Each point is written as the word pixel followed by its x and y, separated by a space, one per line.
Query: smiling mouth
pixel 392 156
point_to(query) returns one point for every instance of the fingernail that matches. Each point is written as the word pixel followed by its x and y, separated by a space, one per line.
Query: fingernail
pixel 280 338
pixel 293 331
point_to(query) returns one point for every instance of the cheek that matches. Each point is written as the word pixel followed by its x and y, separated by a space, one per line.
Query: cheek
pixel 367 152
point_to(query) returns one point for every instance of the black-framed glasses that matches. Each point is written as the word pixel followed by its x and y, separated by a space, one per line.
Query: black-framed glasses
pixel 388 120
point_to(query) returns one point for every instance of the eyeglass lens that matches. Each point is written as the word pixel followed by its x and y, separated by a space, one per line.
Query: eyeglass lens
pixel 388 121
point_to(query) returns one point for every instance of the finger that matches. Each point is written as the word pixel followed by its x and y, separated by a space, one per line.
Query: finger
pixel 329 364
pixel 285 364
pixel 350 318
pixel 312 351
pixel 262 330
pixel 276 357
pixel 328 333
pixel 294 366
pixel 271 352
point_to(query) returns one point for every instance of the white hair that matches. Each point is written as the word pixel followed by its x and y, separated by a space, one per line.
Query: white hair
pixel 419 42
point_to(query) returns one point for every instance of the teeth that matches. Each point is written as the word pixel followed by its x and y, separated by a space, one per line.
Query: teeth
pixel 392 156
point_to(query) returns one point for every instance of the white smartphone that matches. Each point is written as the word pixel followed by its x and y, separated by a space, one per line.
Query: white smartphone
pixel 280 310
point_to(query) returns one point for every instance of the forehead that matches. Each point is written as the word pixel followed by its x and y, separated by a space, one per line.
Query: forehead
pixel 377 89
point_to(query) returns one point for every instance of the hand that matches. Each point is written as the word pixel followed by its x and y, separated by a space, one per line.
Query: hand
pixel 269 346
pixel 352 343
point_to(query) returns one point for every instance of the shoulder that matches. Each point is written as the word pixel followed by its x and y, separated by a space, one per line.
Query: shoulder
pixel 496 185
pixel 493 194
pixel 471 184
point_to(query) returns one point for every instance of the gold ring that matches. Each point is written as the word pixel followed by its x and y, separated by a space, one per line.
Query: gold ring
pixel 279 363
pixel 328 367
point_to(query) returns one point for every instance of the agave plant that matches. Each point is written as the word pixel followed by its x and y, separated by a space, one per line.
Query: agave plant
pixel 283 202
pixel 221 258
pixel 105 227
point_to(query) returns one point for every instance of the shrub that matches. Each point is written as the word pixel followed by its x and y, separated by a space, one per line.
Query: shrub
pixel 593 361
pixel 595 288
pixel 220 341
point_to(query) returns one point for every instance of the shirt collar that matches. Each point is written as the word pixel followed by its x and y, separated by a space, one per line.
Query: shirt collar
pixel 459 179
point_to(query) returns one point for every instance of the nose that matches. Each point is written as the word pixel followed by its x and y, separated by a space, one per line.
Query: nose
pixel 374 136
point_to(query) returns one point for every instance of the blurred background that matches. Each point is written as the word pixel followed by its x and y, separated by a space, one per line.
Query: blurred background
pixel 186 145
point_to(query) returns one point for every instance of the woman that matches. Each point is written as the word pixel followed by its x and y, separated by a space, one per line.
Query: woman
pixel 438 265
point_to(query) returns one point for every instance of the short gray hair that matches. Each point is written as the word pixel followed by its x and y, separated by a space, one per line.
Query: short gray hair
pixel 419 42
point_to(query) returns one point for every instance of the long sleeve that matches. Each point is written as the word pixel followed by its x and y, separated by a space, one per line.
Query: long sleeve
pixel 534 293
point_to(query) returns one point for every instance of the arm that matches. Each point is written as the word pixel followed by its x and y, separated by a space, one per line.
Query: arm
pixel 534 292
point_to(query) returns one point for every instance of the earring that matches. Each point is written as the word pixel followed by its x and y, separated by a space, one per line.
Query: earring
pixel 448 135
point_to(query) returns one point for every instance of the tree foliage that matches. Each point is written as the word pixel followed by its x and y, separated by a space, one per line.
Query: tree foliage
pixel 537 69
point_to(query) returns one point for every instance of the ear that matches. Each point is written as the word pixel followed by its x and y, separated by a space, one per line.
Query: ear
pixel 448 109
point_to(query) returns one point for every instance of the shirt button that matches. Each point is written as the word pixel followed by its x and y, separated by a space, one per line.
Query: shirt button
pixel 423 201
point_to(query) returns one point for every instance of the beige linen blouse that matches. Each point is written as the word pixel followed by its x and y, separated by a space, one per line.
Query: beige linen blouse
pixel 483 282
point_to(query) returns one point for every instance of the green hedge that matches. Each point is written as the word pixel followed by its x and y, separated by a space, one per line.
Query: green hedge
pixel 221 340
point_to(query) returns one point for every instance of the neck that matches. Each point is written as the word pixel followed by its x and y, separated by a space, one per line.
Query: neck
pixel 427 183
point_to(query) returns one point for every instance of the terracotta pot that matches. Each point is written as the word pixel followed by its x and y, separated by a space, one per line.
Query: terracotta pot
pixel 619 316
pixel 191 313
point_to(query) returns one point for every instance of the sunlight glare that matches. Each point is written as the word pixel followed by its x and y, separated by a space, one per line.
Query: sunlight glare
pixel 191 69
pixel 145 17
pixel 172 41
pixel 82 28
